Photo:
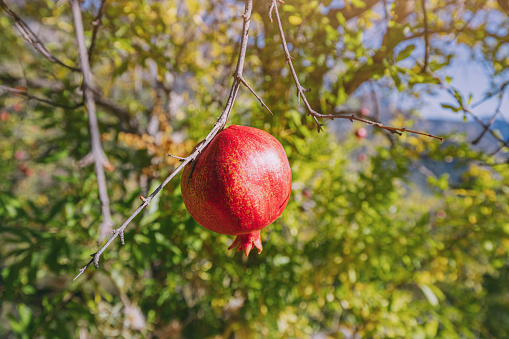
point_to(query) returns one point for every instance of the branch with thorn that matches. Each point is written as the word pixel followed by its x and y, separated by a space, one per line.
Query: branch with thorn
pixel 218 126
pixel 301 90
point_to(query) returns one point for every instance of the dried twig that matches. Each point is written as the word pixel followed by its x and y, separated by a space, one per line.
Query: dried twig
pixel 32 38
pixel 218 126
pixel 301 90
pixel 30 96
pixel 92 119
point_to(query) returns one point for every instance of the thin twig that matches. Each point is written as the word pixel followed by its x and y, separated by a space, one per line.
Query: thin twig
pixel 30 96
pixel 32 38
pixel 96 23
pixel 426 35
pixel 254 93
pixel 218 126
pixel 273 4
pixel 92 119
pixel 301 91
pixel 175 157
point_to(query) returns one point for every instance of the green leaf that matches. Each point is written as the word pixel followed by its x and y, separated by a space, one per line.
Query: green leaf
pixel 451 107
pixel 341 19
pixel 405 53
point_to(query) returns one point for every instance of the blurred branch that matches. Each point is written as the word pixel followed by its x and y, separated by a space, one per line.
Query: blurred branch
pixel 125 119
pixel 492 119
pixel 92 118
pixel 218 126
pixel 51 315
pixel 349 11
pixel 96 23
pixel 301 90
pixel 374 99
pixel 89 159
pixel 30 96
pixel 397 14
pixel 491 94
pixel 426 35
pixel 32 38
pixel 120 112
pixel 464 107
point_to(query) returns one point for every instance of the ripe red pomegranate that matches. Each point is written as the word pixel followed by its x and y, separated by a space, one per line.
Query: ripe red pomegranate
pixel 238 185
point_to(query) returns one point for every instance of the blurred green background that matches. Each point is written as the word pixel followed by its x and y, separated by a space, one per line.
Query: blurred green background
pixel 384 237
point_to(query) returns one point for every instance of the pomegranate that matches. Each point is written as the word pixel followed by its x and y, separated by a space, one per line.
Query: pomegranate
pixel 239 184
pixel 365 111
pixel 361 133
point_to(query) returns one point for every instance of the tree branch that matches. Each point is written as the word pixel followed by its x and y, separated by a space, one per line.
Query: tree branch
pixel 32 38
pixel 218 126
pixel 92 118
pixel 301 90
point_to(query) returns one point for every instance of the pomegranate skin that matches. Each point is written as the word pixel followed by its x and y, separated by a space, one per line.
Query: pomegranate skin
pixel 238 185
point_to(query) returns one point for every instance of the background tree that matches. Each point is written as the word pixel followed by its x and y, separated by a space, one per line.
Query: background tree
pixel 389 236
